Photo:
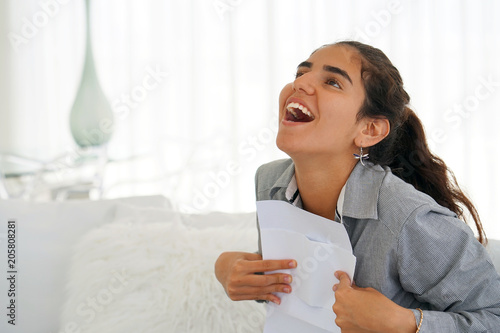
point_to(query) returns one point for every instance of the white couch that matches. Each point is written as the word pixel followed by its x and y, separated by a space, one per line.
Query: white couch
pixel 128 265
pixel 125 265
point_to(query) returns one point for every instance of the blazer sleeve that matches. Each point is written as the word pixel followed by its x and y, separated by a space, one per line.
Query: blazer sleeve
pixel 447 269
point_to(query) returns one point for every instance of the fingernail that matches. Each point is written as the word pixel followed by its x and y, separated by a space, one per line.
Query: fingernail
pixel 276 301
pixel 335 287
pixel 287 279
pixel 336 275
pixel 292 264
pixel 286 290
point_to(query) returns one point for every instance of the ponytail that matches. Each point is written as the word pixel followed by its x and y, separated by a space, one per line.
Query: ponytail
pixel 405 149
pixel 415 164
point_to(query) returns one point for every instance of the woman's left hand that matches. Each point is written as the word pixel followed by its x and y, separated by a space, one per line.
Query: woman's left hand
pixel 367 310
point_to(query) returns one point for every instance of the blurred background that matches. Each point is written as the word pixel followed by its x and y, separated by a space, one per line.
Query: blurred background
pixel 192 89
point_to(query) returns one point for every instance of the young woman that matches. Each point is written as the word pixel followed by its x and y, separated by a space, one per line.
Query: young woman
pixel 347 128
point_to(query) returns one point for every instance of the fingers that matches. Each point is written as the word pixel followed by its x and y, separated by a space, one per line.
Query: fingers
pixel 260 293
pixel 259 287
pixel 344 280
pixel 264 297
pixel 270 279
pixel 237 273
pixel 267 283
pixel 270 265
pixel 252 256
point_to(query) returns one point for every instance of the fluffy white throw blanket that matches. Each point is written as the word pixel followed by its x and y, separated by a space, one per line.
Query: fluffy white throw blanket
pixel 156 277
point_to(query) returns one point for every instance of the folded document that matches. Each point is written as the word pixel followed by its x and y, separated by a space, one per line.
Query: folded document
pixel 321 247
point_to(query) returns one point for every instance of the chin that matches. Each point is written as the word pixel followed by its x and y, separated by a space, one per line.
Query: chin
pixel 282 143
pixel 289 144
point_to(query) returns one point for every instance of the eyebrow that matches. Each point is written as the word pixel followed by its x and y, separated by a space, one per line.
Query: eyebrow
pixel 331 69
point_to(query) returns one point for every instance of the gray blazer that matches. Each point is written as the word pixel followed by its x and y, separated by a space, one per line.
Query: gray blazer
pixel 414 251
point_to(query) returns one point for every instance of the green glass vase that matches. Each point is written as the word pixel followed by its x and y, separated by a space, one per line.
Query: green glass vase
pixel 91 117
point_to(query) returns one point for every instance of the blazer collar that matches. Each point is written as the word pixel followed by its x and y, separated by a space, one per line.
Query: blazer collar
pixel 361 191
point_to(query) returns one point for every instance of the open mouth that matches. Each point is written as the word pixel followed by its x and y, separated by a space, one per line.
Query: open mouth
pixel 298 113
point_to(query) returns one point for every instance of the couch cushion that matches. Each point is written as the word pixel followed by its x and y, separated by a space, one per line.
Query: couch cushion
pixel 46 232
pixel 146 276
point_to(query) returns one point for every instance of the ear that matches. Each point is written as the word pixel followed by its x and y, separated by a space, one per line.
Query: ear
pixel 373 130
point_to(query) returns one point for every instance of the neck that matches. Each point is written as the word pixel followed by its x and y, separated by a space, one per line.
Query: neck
pixel 320 183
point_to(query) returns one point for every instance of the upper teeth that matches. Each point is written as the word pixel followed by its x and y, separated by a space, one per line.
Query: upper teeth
pixel 291 106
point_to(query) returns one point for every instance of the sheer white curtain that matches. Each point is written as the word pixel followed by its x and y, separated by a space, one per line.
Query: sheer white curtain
pixel 194 85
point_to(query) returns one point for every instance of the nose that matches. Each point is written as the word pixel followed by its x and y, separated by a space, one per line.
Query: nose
pixel 304 83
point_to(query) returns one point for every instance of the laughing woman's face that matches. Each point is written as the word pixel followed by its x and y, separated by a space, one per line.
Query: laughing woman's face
pixel 318 109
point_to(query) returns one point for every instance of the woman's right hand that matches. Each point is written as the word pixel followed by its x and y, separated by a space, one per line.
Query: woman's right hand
pixel 236 271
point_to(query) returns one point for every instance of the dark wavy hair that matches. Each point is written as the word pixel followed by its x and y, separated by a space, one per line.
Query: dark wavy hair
pixel 405 149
